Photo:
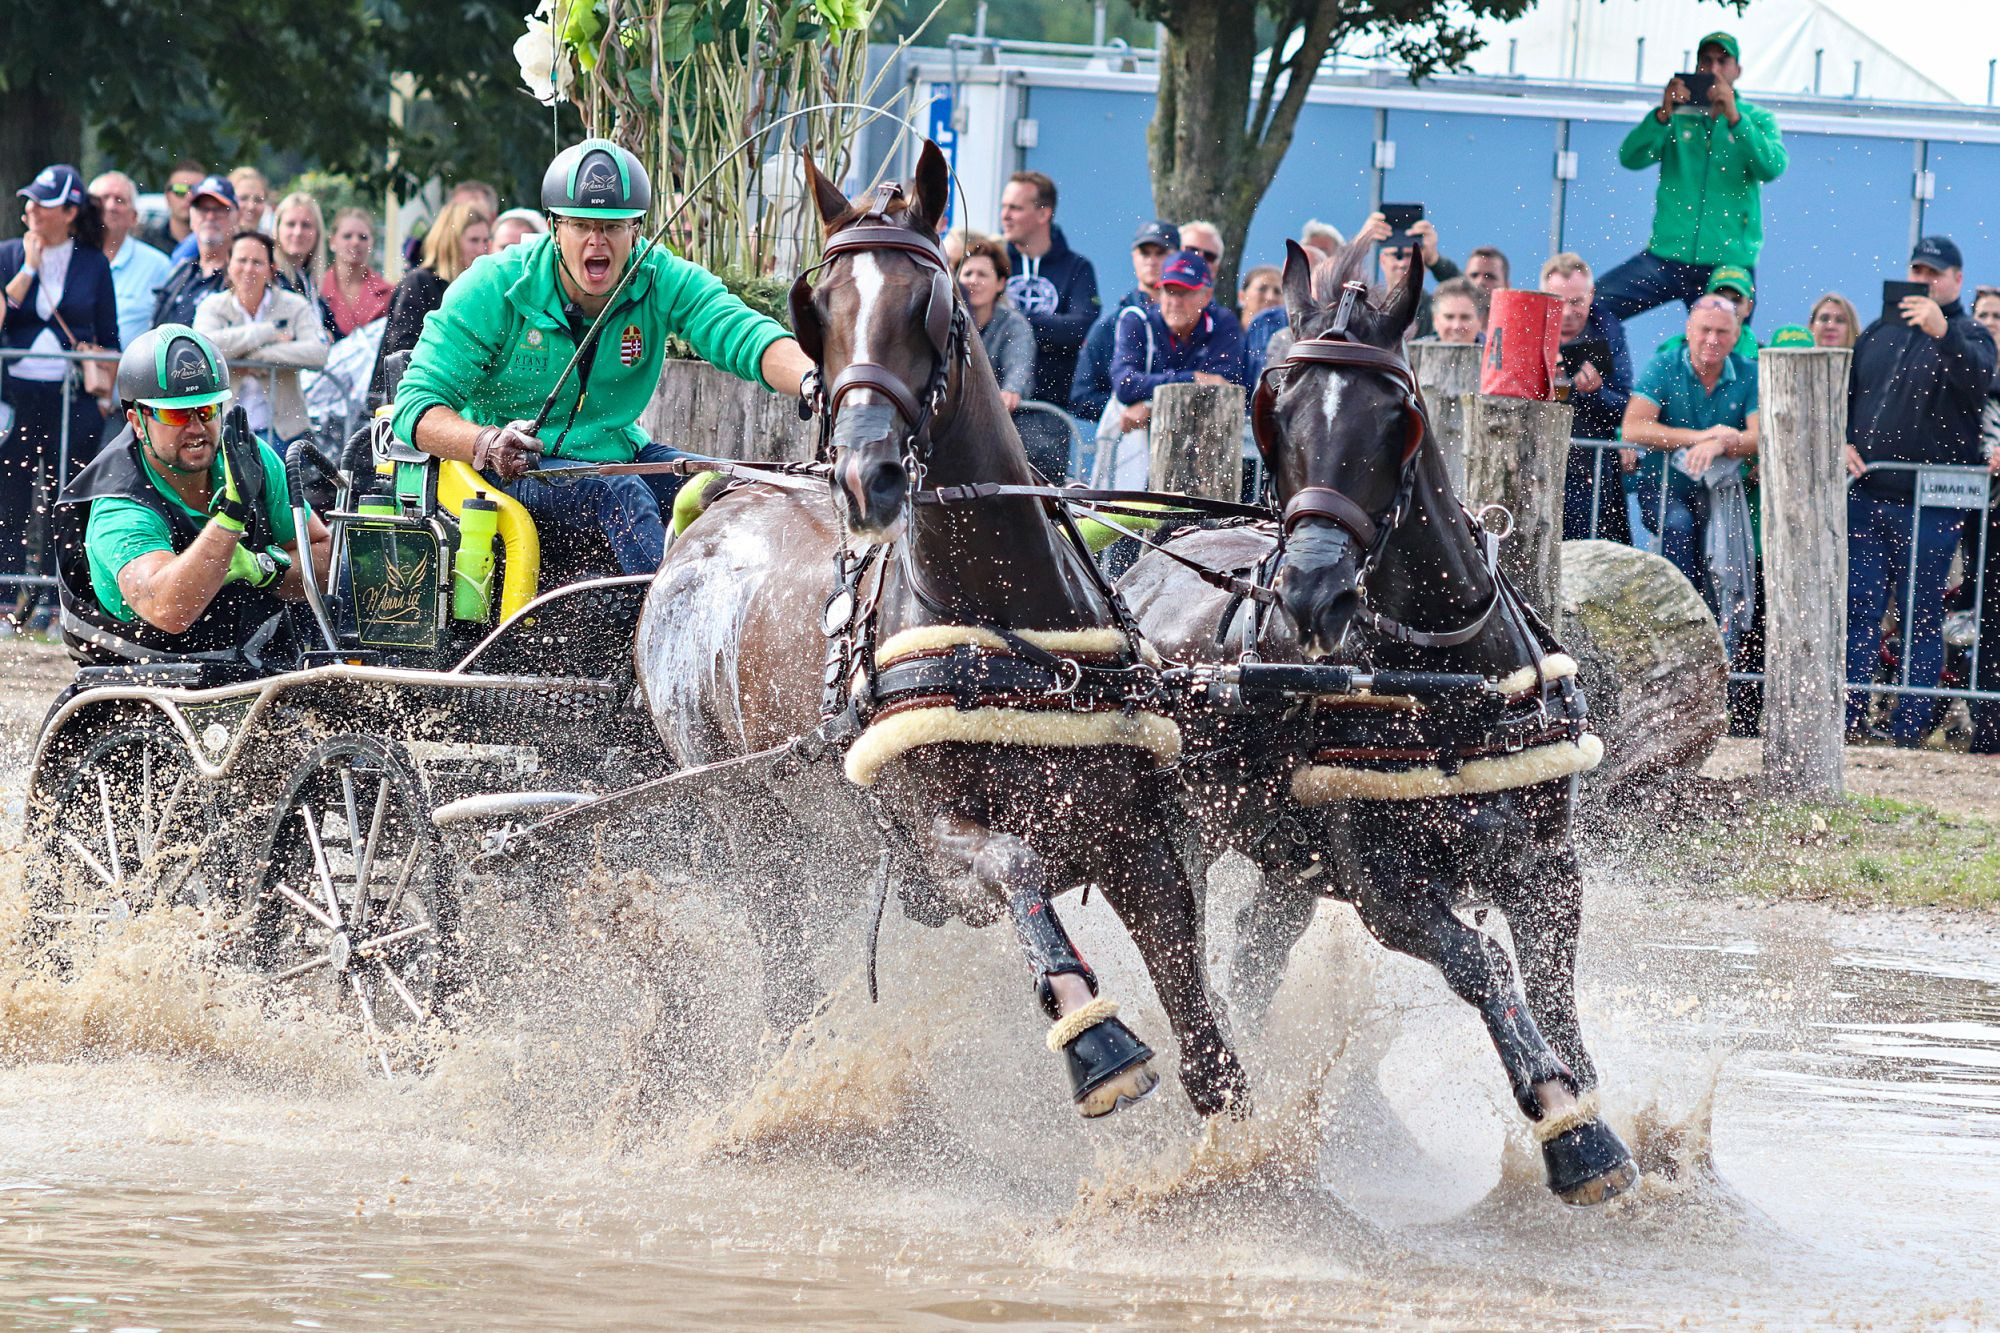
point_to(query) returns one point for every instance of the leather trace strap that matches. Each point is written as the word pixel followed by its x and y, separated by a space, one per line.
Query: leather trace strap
pixel 1163 503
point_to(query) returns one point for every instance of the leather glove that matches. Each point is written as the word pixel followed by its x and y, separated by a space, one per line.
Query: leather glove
pixel 238 456
pixel 259 569
pixel 507 451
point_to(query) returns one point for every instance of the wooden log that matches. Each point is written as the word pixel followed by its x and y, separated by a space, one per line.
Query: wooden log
pixel 1448 374
pixel 1649 659
pixel 708 411
pixel 1197 440
pixel 1802 399
pixel 1516 451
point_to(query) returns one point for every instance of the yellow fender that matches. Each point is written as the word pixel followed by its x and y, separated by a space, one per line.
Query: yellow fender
pixel 457 483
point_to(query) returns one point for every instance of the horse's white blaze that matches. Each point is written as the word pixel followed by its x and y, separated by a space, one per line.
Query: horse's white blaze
pixel 1330 399
pixel 868 283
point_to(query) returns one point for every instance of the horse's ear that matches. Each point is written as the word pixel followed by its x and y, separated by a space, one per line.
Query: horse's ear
pixel 1297 285
pixel 1402 311
pixel 805 321
pixel 933 185
pixel 832 204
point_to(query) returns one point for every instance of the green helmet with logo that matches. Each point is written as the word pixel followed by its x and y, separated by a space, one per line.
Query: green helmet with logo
pixel 596 179
pixel 172 366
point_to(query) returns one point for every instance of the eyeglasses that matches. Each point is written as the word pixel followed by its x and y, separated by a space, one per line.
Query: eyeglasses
pixel 1212 256
pixel 610 228
pixel 181 416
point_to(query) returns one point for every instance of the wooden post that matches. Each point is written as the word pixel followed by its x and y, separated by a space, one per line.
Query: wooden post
pixel 1802 397
pixel 707 411
pixel 1197 440
pixel 1448 374
pixel 1515 454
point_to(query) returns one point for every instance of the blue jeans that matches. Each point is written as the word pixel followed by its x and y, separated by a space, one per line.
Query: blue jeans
pixel 1609 519
pixel 1646 281
pixel 1680 530
pixel 1878 568
pixel 629 511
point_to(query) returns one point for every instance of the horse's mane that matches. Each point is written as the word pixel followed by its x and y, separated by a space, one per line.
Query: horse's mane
pixel 901 207
pixel 1332 273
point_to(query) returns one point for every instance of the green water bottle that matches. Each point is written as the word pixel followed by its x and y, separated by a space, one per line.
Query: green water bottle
pixel 472 581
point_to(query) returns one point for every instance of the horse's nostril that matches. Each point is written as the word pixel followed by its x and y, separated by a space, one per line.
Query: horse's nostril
pixel 884 484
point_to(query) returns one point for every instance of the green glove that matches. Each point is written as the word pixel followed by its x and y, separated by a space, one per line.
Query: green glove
pixel 237 455
pixel 259 569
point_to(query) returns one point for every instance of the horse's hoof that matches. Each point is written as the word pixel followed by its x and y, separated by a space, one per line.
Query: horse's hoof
pixel 1107 1063
pixel 1588 1164
pixel 1129 1085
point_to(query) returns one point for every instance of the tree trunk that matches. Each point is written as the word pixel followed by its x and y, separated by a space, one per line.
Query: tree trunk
pixel 1803 397
pixel 36 129
pixel 1448 373
pixel 1197 440
pixel 1515 454
pixel 1650 659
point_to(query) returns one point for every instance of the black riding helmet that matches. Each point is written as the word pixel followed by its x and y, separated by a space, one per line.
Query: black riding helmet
pixel 172 366
pixel 596 179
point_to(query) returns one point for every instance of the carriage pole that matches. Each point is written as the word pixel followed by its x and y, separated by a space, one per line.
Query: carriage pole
pixel 1802 395
pixel 1448 374
pixel 1197 440
pixel 1515 452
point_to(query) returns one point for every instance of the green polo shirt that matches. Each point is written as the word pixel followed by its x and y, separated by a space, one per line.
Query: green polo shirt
pixel 1670 381
pixel 121 530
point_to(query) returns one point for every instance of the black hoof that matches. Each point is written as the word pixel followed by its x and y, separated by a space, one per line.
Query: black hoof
pixel 1587 1164
pixel 1107 1068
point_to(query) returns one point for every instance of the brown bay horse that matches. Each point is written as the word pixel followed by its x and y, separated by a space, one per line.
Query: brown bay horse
pixel 990 708
pixel 1415 805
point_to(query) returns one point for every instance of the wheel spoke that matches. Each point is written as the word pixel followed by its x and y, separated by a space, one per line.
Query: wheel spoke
pixel 361 876
pixel 324 960
pixel 310 816
pixel 368 1018
pixel 402 990
pixel 306 905
pixel 393 937
pixel 144 832
pixel 75 844
pixel 110 827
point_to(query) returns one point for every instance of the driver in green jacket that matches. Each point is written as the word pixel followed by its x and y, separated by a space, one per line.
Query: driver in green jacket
pixel 490 355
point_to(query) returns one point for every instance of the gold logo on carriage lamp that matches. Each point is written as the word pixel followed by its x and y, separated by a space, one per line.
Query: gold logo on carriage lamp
pixel 631 346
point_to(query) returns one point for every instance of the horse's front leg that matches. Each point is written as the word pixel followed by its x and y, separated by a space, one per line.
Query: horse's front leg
pixel 1404 904
pixel 1545 916
pixel 1108 1065
pixel 1150 891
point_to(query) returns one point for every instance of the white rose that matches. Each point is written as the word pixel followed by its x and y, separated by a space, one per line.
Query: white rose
pixel 535 52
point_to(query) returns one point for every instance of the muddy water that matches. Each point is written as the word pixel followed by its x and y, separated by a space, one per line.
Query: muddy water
pixel 1817 1100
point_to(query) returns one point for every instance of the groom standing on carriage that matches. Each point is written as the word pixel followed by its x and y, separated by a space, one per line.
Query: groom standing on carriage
pixel 495 352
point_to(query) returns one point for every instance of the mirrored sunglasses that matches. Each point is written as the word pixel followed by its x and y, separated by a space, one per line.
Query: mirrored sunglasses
pixel 181 416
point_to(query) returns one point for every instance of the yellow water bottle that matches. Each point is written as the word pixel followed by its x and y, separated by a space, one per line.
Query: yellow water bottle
pixel 472 571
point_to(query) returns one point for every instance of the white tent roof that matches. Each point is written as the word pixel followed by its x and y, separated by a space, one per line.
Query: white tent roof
pixel 1909 50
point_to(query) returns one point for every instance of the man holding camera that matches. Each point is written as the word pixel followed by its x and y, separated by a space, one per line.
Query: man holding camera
pixel 1915 391
pixel 1715 152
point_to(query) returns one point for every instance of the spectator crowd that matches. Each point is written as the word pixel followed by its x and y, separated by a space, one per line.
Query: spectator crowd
pixel 1665 448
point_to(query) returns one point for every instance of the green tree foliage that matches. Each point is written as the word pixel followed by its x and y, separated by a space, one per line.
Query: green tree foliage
pixel 226 81
pixel 1021 20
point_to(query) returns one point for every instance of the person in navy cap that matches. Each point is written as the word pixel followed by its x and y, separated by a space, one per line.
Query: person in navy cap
pixel 59 294
pixel 201 262
pixel 1915 390
pixel 1090 386
pixel 1186 338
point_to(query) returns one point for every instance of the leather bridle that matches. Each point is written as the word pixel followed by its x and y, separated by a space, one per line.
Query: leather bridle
pixel 945 324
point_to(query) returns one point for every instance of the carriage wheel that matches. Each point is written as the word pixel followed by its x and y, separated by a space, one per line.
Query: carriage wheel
pixel 129 826
pixel 350 901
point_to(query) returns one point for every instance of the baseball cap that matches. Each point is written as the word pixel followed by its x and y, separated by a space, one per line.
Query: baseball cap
pixel 1186 269
pixel 1736 279
pixel 1723 40
pixel 1938 252
pixel 1791 335
pixel 1164 234
pixel 215 187
pixel 58 186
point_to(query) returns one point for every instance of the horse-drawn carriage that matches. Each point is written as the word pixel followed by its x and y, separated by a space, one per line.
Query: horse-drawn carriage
pixel 992 720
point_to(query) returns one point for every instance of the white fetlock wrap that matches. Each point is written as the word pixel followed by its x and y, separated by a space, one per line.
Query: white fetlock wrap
pixel 1554 1126
pixel 1079 1021
pixel 1319 784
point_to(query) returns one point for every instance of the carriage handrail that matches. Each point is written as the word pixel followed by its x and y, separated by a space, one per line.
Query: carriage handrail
pixel 1323 678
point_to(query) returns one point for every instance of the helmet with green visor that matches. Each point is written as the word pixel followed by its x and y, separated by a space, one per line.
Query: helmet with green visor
pixel 596 179
pixel 172 366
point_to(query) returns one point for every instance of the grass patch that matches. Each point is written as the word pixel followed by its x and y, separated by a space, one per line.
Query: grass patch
pixel 1868 851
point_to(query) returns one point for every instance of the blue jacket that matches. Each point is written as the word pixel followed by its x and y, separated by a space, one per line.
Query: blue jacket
pixel 1215 345
pixel 1264 326
pixel 1058 294
pixel 89 302
pixel 1090 387
pixel 1599 415
pixel 1912 398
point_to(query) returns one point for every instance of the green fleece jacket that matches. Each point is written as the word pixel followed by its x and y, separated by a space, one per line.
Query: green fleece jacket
pixel 1709 207
pixel 493 350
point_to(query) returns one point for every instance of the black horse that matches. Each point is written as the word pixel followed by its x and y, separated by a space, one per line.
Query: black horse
pixel 1449 782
